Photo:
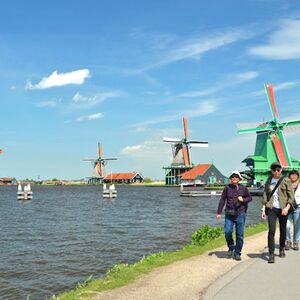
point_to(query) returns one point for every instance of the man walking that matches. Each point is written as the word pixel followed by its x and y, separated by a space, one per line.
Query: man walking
pixel 236 197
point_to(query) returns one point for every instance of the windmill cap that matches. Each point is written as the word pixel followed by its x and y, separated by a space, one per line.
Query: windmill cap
pixel 235 173
pixel 275 165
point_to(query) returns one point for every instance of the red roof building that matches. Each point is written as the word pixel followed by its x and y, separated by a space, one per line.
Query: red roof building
pixel 7 181
pixel 203 174
pixel 124 177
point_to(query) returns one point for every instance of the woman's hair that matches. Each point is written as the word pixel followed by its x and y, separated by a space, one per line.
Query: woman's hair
pixel 294 172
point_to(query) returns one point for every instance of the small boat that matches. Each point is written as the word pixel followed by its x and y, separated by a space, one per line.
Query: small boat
pixel 198 193
pixel 25 194
pixel 109 192
pixel 254 191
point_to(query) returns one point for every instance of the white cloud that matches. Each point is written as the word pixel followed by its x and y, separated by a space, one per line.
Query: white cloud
pixel 287 85
pixel 200 93
pixel 282 44
pixel 46 104
pixel 193 48
pixel 199 109
pixel 242 77
pixel 90 117
pixel 231 80
pixel 278 87
pixel 131 150
pixel 148 157
pixel 78 99
pixel 140 129
pixel 55 79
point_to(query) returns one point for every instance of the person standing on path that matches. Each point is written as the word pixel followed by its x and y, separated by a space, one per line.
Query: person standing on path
pixel 294 216
pixel 236 197
pixel 278 197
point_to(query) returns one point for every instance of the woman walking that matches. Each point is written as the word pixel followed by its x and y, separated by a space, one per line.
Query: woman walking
pixel 277 198
pixel 294 216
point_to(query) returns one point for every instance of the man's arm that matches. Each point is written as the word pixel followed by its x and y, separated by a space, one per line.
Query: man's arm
pixel 222 201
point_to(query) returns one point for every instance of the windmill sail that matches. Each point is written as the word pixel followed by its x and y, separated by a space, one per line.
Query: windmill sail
pixel 198 144
pixel 99 163
pixel 270 143
pixel 279 150
pixel 181 153
pixel 271 99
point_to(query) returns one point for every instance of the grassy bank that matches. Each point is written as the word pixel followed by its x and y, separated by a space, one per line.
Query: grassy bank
pixel 203 240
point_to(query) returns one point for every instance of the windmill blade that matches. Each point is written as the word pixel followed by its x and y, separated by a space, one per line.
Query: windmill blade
pixel 291 129
pixel 267 126
pixel 198 144
pixel 99 169
pixel 281 149
pixel 291 126
pixel 241 126
pixel 186 156
pixel 256 129
pixel 185 127
pixel 171 140
pixel 109 158
pixel 89 160
pixel 194 144
pixel 99 150
pixel 271 100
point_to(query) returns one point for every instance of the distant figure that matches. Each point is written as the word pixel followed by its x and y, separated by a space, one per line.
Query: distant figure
pixel 236 197
pixel 277 198
pixel 262 185
pixel 294 216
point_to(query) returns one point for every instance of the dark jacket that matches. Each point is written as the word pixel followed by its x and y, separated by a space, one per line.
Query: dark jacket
pixel 285 193
pixel 230 198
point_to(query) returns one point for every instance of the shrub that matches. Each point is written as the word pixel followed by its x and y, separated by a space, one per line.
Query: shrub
pixel 205 234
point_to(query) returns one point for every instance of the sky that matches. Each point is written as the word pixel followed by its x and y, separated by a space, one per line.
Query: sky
pixel 124 73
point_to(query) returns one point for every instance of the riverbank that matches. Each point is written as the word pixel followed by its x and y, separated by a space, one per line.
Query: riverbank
pixel 187 276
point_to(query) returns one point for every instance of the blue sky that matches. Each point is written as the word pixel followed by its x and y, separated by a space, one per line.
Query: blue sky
pixel 125 72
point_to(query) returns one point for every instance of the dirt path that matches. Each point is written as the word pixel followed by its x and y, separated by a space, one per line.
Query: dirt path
pixel 187 279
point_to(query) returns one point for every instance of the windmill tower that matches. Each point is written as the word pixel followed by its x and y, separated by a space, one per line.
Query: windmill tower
pixel 181 155
pixel 270 144
pixel 98 167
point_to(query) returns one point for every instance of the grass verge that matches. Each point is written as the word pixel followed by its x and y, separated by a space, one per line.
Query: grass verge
pixel 123 274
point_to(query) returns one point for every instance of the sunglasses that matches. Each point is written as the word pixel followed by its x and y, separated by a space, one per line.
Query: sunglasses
pixel 235 176
pixel 276 170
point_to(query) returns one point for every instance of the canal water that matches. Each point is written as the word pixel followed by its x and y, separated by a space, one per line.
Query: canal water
pixel 66 233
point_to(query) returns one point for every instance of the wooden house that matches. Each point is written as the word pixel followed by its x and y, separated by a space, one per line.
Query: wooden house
pixel 132 177
pixel 203 174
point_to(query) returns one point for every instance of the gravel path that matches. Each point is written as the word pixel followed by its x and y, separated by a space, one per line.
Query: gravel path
pixel 186 279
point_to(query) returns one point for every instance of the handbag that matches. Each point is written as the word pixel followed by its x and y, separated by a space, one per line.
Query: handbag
pixel 231 212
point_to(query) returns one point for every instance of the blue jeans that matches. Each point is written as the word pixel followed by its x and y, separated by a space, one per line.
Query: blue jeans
pixel 239 222
pixel 293 218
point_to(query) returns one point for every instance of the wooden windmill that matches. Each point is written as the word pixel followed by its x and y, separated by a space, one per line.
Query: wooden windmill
pixel 270 144
pixel 181 155
pixel 98 166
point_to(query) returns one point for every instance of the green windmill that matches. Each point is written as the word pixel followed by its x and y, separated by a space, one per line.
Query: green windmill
pixel 270 145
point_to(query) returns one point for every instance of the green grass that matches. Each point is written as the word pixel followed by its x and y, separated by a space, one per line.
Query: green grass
pixel 123 274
